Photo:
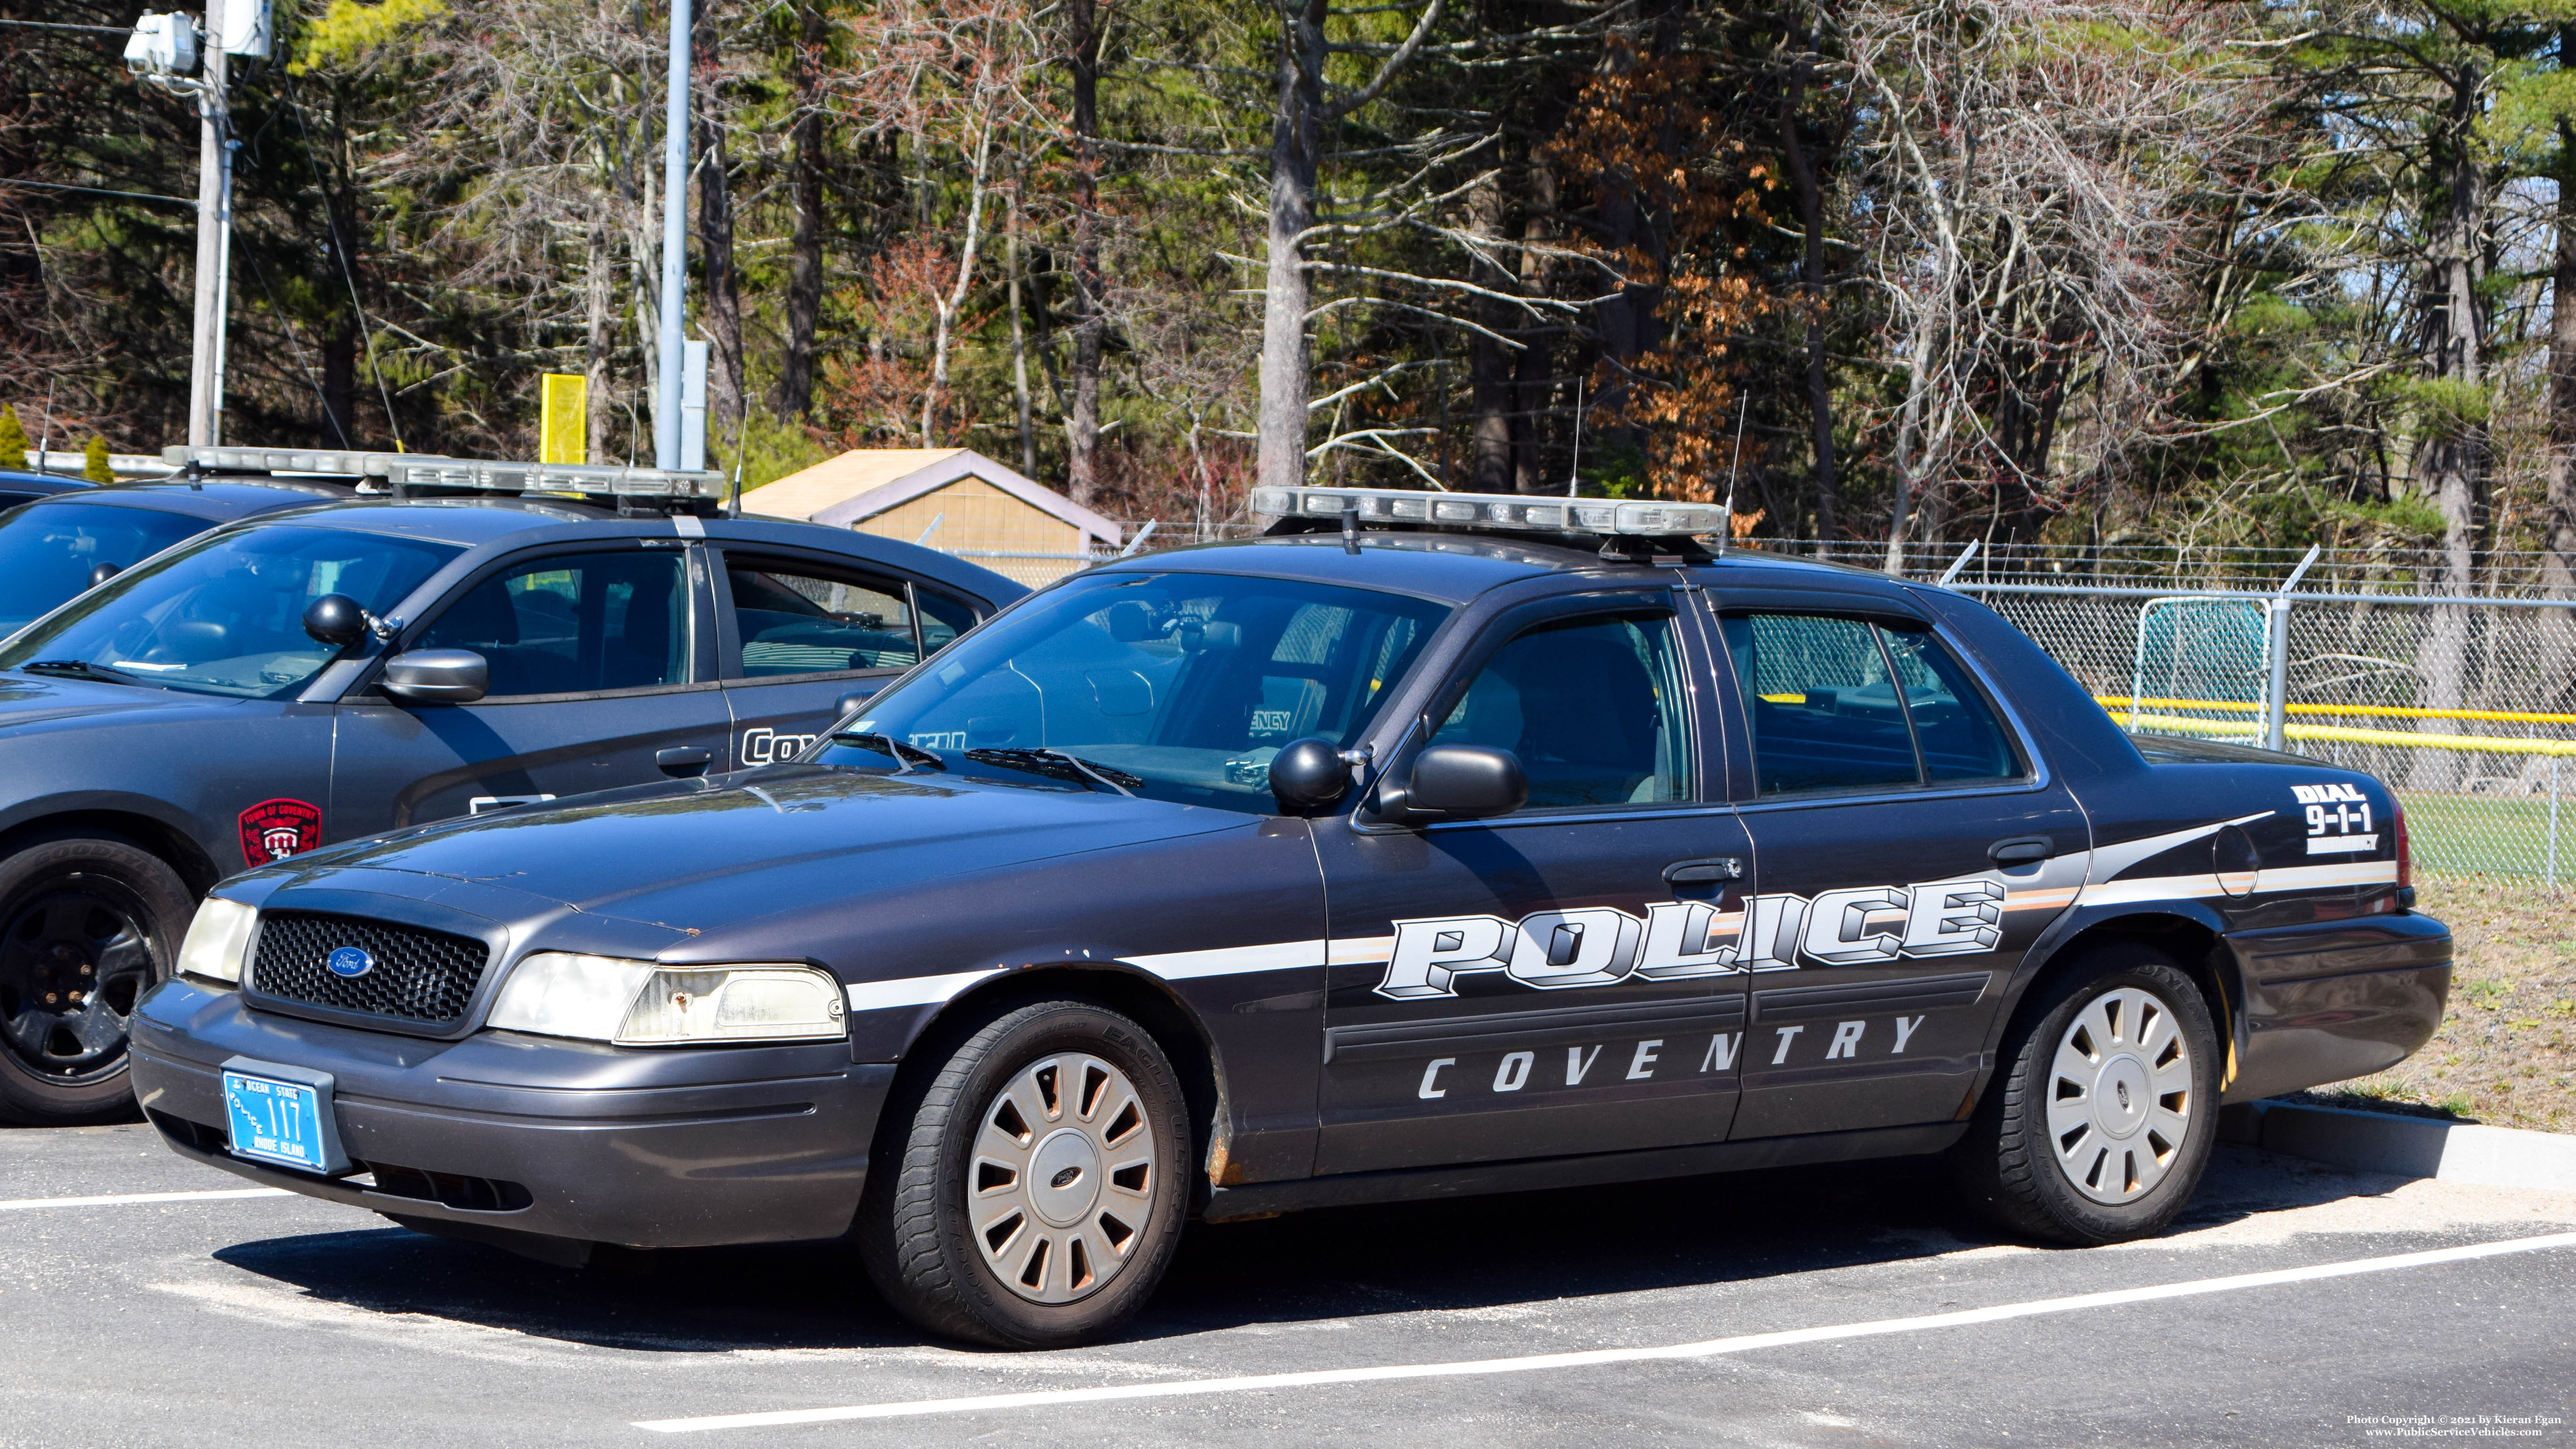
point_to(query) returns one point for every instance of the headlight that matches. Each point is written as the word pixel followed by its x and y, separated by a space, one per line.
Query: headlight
pixel 216 940
pixel 636 1003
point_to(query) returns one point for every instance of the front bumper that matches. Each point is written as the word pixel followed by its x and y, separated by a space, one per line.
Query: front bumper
pixel 684 1147
pixel 2334 1000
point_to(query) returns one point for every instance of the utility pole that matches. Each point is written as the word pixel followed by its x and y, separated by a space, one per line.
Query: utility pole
pixel 214 237
pixel 675 246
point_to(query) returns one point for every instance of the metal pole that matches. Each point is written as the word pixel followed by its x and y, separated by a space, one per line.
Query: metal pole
pixel 2553 820
pixel 205 362
pixel 675 245
pixel 2277 696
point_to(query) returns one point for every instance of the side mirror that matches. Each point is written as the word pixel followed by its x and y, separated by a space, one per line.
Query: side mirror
pixel 1308 775
pixel 1466 782
pixel 336 620
pixel 104 572
pixel 438 676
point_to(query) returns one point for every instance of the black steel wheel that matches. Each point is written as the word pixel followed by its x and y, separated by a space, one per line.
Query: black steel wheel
pixel 2104 1110
pixel 1029 1194
pixel 88 924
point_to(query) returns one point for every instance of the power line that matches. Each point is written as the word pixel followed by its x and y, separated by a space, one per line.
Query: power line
pixel 9 181
pixel 58 25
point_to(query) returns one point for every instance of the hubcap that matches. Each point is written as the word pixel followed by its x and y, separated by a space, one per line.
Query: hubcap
pixel 1061 1187
pixel 73 961
pixel 2120 1096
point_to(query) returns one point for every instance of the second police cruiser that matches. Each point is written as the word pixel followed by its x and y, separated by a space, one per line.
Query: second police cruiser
pixel 1432 844
pixel 271 665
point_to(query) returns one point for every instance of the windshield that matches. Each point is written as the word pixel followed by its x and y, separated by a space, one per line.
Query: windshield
pixel 225 614
pixel 1174 686
pixel 48 551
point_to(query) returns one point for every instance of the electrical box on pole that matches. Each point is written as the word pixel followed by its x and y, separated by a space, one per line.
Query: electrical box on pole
pixel 693 406
pixel 247 29
pixel 162 45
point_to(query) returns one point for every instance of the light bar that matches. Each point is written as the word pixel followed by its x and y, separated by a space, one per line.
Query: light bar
pixel 1502 512
pixel 425 470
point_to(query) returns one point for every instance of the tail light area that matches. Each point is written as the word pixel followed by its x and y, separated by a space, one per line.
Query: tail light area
pixel 2405 855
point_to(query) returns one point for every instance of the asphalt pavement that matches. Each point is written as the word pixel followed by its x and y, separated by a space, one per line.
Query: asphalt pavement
pixel 2295 1305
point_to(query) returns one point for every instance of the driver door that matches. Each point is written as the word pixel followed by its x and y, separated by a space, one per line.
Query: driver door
pixel 599 678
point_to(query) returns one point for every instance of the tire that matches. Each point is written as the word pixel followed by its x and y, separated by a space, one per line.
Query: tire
pixel 1029 1193
pixel 2107 1110
pixel 88 925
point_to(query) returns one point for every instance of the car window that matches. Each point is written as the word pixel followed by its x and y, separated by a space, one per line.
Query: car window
pixel 1174 686
pixel 1956 729
pixel 1824 712
pixel 224 613
pixel 49 550
pixel 1593 707
pixel 798 619
pixel 575 623
pixel 1823 695
pixel 941 618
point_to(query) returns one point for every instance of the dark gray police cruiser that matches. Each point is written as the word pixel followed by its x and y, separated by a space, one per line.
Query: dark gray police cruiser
pixel 1461 844
pixel 343 668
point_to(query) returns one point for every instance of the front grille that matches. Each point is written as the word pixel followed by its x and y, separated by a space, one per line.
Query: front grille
pixel 419 975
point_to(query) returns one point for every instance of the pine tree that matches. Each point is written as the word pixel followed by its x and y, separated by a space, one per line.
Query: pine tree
pixel 13 439
pixel 94 462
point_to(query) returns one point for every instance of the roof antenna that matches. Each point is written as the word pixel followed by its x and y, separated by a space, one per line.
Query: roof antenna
pixel 1726 532
pixel 1351 528
pixel 45 445
pixel 1574 473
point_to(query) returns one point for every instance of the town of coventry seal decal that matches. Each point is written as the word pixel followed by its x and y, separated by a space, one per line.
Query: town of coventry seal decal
pixel 276 829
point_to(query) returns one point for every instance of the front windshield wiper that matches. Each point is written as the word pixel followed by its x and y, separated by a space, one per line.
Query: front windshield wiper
pixel 1057 765
pixel 904 754
pixel 83 669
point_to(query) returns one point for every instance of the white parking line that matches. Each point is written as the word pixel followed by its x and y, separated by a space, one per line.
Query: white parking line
pixel 122 1198
pixel 1709 1348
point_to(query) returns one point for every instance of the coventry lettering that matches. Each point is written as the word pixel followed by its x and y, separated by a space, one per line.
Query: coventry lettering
pixel 1644 1058
pixel 1600 945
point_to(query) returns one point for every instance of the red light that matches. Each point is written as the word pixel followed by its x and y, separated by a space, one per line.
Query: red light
pixel 2405 852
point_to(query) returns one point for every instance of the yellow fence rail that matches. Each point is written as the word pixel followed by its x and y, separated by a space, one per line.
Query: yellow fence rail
pixel 2230 729
pixel 2355 711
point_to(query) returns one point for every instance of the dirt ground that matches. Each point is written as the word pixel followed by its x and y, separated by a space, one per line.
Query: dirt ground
pixel 2506 1053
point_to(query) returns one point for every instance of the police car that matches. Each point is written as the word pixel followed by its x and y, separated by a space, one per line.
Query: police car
pixel 56 546
pixel 1431 845
pixel 467 638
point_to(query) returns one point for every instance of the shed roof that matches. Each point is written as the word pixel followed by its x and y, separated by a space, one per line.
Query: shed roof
pixel 864 482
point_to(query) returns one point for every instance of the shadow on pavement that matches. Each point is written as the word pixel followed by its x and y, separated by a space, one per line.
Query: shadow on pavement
pixel 1466 1253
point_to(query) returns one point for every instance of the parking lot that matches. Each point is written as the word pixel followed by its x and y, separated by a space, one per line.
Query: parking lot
pixel 281 1321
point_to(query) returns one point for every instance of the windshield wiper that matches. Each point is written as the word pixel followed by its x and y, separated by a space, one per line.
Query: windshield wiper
pixel 83 669
pixel 905 754
pixel 1057 765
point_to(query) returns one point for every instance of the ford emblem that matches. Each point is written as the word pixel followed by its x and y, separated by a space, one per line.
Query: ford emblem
pixel 350 961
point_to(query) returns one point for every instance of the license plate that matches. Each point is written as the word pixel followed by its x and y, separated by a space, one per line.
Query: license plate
pixel 285 1122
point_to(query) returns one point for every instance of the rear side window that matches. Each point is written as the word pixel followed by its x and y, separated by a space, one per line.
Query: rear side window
pixel 797 619
pixel 1846 704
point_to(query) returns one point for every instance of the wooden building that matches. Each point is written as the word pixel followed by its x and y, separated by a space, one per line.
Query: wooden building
pixel 952 499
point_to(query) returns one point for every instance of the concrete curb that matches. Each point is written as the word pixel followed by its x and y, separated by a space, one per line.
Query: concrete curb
pixel 2405 1146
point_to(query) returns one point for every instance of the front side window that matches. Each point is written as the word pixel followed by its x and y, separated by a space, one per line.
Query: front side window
pixel 575 624
pixel 1593 707
pixel 1846 704
pixel 1173 686
pixel 224 613
pixel 798 619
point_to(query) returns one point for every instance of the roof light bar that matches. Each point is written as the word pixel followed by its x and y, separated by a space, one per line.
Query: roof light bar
pixel 425 470
pixel 1502 512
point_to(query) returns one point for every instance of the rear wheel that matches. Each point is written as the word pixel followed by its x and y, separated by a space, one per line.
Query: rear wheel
pixel 2107 1111
pixel 88 924
pixel 1032 1195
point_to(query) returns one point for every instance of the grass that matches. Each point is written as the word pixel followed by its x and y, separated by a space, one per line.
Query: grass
pixel 2506 1051
pixel 2490 836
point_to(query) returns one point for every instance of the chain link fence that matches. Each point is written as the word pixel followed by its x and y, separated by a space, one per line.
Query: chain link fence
pixel 2464 705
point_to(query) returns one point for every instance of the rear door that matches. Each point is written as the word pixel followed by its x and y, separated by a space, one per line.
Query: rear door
pixel 1555 981
pixel 800 632
pixel 1908 849
pixel 600 677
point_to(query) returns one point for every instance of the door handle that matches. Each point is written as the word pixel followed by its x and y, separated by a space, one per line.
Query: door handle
pixel 1704 872
pixel 686 762
pixel 2021 850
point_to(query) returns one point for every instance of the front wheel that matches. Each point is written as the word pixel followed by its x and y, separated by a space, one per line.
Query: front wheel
pixel 1032 1195
pixel 88 924
pixel 2107 1109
